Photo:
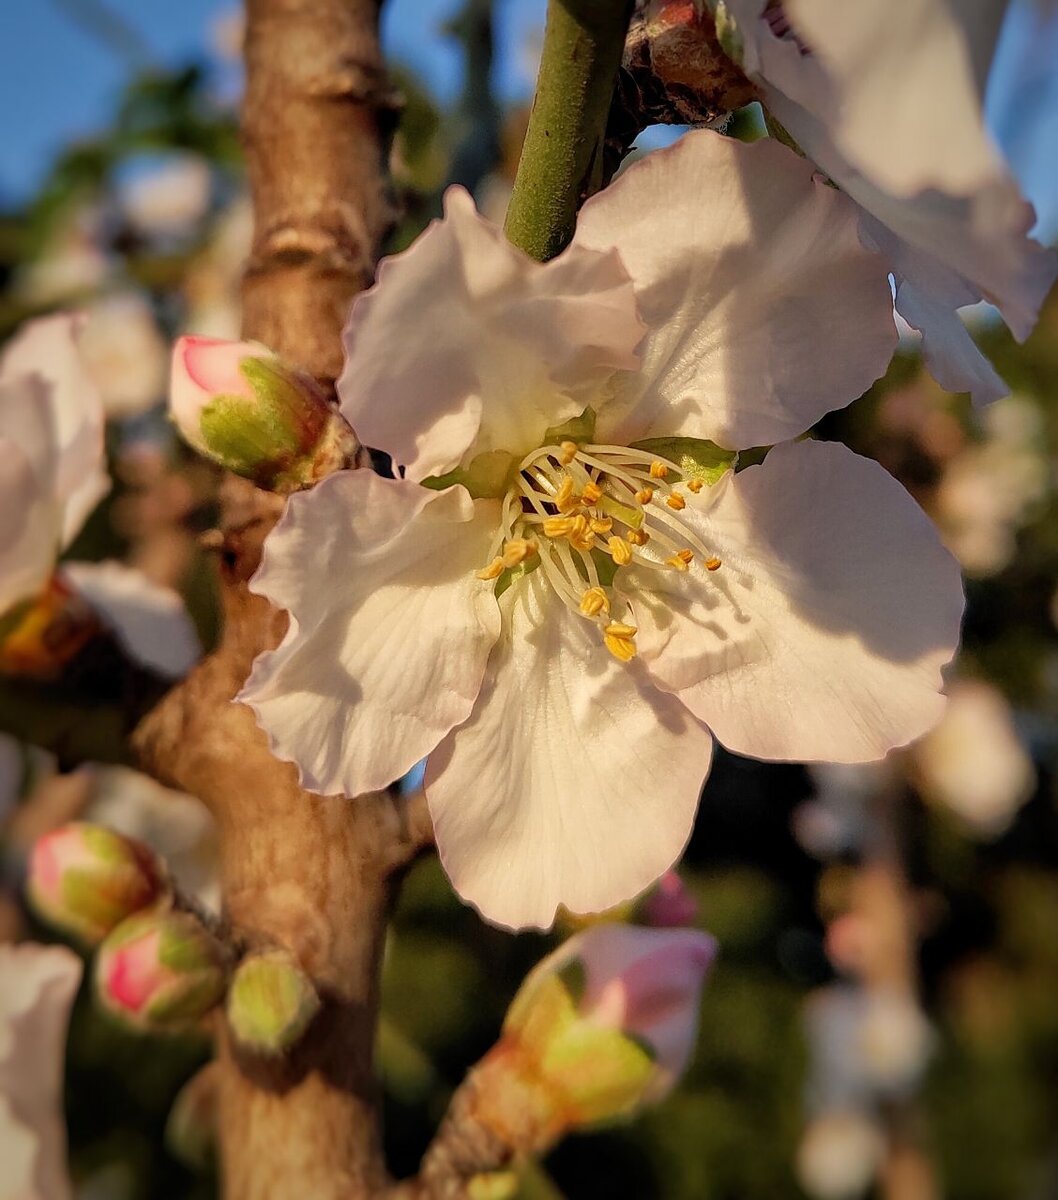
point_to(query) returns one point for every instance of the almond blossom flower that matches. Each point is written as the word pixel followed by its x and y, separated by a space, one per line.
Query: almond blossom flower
pixel 888 101
pixel 566 590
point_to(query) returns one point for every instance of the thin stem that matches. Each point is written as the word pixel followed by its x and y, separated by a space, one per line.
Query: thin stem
pixel 561 163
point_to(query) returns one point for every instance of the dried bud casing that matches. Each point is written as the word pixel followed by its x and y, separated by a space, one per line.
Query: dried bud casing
pixel 86 879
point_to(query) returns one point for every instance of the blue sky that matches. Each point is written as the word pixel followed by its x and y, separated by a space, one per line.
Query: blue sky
pixel 58 82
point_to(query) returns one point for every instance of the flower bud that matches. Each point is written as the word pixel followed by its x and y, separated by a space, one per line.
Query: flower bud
pixel 191 1129
pixel 271 1002
pixel 86 879
pixel 601 1027
pixel 670 905
pixel 242 406
pixel 160 970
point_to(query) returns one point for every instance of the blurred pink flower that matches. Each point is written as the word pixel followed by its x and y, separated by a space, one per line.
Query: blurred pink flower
pixel 564 612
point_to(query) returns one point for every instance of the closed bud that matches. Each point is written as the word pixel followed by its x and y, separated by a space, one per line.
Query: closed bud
pixel 161 970
pixel 242 406
pixel 600 1028
pixel 670 905
pixel 86 879
pixel 271 1002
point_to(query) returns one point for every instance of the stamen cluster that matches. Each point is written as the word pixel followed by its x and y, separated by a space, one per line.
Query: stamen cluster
pixel 581 513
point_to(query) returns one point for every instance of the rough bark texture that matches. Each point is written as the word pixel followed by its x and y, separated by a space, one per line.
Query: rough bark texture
pixel 309 872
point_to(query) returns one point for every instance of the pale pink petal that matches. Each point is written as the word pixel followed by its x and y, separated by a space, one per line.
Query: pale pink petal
pixel 574 782
pixel 906 87
pixel 148 619
pixel 389 631
pixel 30 512
pixel 823 634
pixel 37 988
pixel 765 311
pixel 47 348
pixel 465 345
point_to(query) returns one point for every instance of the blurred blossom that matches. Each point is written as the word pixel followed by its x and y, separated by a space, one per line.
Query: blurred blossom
pixel 973 762
pixel 839 1155
pixel 905 137
pixel 214 276
pixel 126 355
pixel 37 988
pixel 988 491
pixel 866 1045
pixel 837 819
pixel 558 540
pixel 175 825
pixel 71 266
pixel 148 619
pixel 169 198
pixel 52 469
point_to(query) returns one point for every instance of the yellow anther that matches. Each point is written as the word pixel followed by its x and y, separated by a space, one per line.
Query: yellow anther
pixel 557 527
pixel 686 555
pixel 676 501
pixel 592 493
pixel 695 485
pixel 565 497
pixel 621 551
pixel 579 527
pixel 658 470
pixel 678 563
pixel 493 571
pixel 518 550
pixel 638 537
pixel 594 601
pixel 569 452
pixel 601 524
pixel 620 640
pixel 644 495
pixel 713 564
pixel 585 543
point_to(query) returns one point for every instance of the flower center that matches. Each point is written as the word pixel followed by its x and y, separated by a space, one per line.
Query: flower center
pixel 581 513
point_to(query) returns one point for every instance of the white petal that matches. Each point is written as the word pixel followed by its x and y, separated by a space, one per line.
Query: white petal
pixel 37 989
pixel 906 99
pixel 765 312
pixel 823 635
pixel 574 782
pixel 149 620
pixel 389 630
pixel 30 511
pixel 47 347
pixel 466 345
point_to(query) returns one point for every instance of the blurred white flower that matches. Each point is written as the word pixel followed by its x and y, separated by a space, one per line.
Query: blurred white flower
pixel 176 825
pixel 170 198
pixel 125 353
pixel 37 988
pixel 149 620
pixel 837 819
pixel 213 279
pixel 71 265
pixel 973 762
pixel 839 1155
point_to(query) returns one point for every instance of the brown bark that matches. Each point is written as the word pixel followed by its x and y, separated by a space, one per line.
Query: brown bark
pixel 309 872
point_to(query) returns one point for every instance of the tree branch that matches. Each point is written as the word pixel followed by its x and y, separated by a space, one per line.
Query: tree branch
pixel 561 163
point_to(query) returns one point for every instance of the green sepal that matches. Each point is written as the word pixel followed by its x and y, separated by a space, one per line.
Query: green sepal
pixel 576 429
pixel 695 457
pixel 605 567
pixel 623 512
pixel 487 478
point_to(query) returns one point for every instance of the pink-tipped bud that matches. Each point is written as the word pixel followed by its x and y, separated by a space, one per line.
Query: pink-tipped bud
pixel 242 406
pixel 603 1026
pixel 671 905
pixel 161 970
pixel 86 879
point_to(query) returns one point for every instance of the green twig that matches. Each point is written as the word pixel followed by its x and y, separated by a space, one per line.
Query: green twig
pixel 561 163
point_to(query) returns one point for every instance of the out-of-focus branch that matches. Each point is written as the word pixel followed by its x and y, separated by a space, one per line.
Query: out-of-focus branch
pixel 562 158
